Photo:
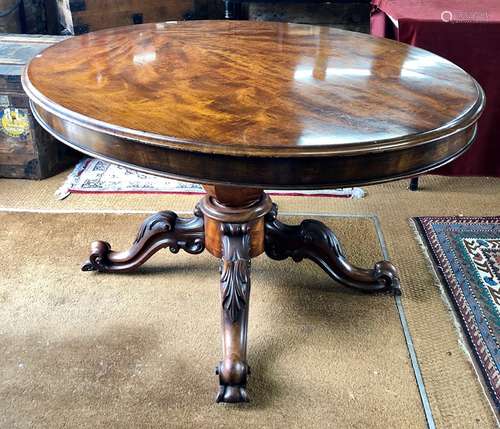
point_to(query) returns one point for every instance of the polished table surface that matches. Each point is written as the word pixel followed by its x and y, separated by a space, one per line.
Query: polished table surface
pixel 255 90
pixel 239 106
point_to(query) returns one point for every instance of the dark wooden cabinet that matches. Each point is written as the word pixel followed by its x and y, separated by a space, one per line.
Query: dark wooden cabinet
pixel 353 15
pixel 84 16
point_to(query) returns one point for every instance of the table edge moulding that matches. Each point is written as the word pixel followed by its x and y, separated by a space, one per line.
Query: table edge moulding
pixel 322 165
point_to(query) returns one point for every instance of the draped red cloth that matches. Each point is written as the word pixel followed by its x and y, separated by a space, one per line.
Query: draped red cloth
pixel 466 32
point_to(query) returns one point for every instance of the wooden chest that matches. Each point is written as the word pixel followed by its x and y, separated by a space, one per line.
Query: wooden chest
pixel 83 16
pixel 26 150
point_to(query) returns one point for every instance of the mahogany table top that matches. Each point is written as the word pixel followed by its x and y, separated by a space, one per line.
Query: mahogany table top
pixel 251 89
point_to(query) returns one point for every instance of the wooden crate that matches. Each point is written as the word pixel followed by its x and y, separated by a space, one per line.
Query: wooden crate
pixel 26 150
pixel 83 16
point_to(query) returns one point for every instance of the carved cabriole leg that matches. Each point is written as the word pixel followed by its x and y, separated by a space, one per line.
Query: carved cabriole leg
pixel 235 296
pixel 163 229
pixel 234 227
pixel 313 240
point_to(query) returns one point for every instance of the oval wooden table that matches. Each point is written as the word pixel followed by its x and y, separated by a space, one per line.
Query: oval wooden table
pixel 244 106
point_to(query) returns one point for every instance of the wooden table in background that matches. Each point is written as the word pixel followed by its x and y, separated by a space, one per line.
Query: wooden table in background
pixel 245 106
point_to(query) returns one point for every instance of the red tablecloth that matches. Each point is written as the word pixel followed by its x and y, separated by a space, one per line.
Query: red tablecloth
pixel 466 32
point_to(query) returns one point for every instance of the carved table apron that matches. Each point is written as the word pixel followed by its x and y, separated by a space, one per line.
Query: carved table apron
pixel 244 106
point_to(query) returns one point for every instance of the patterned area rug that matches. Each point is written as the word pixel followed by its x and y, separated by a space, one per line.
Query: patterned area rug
pixel 96 176
pixel 466 252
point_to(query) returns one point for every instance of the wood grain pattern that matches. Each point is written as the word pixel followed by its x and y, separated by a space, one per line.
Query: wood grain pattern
pixel 221 86
pixel 234 197
pixel 255 103
pixel 213 237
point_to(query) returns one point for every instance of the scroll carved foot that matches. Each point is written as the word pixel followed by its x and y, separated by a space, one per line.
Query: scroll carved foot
pixel 163 229
pixel 233 370
pixel 315 241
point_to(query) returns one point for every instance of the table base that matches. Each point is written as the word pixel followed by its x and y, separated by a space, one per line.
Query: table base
pixel 237 224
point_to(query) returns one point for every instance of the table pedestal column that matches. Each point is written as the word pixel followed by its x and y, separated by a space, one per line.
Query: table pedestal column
pixel 234 231
pixel 235 225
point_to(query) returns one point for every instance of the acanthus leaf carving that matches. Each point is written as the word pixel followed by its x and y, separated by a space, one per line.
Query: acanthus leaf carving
pixel 235 275
pixel 234 280
pixel 160 222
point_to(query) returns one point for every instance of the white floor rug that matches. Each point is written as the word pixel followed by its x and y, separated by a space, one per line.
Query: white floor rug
pixel 96 176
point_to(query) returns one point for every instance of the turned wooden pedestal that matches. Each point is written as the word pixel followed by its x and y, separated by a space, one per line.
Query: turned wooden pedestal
pixel 235 225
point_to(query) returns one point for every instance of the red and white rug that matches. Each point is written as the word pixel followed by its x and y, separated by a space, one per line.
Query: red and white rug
pixel 92 176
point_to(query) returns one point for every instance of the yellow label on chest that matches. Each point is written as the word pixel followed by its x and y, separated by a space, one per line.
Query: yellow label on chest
pixel 15 123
